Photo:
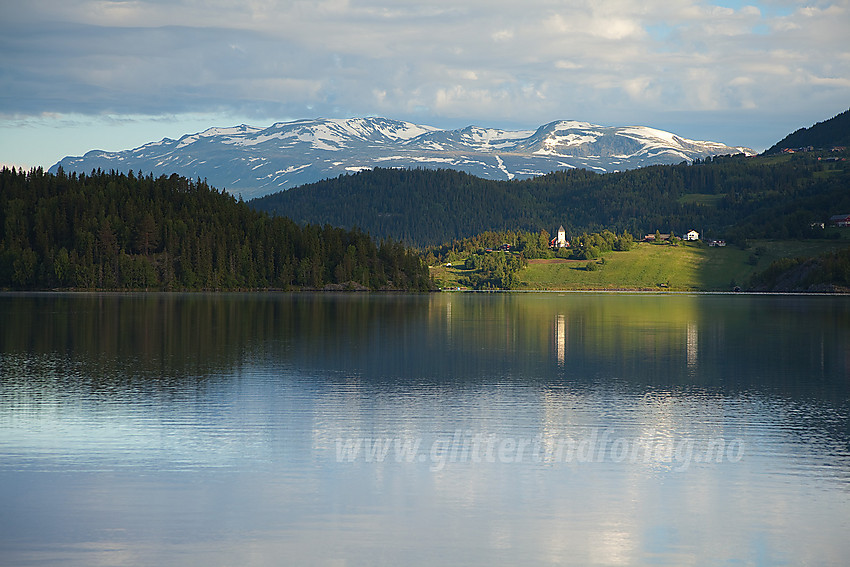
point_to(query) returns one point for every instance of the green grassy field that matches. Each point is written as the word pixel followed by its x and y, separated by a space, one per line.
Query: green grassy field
pixel 687 267
pixel 448 277
pixel 646 266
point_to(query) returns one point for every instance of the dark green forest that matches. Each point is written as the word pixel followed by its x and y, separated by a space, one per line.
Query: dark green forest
pixel 126 231
pixel 731 197
pixel 419 206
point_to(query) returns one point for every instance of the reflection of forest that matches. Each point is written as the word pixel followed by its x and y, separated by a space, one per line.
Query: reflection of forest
pixel 713 341
pixel 511 346
pixel 726 342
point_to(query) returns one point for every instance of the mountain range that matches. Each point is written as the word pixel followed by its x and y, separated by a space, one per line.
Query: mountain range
pixel 732 197
pixel 252 161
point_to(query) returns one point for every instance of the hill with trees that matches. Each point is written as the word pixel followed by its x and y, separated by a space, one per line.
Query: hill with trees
pixel 122 231
pixel 823 135
pixel 732 197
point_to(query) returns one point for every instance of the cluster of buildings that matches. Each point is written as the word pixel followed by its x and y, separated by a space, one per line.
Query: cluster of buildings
pixel 691 235
pixel 560 240
pixel 810 149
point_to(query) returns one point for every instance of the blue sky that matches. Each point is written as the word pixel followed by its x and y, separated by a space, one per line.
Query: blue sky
pixel 113 74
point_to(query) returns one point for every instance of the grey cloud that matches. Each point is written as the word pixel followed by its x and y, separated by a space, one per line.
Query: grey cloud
pixel 493 62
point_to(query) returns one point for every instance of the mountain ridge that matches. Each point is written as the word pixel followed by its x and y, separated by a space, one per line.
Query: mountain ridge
pixel 823 135
pixel 255 161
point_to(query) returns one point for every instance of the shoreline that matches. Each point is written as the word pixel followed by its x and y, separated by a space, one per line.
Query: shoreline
pixel 649 292
pixel 623 291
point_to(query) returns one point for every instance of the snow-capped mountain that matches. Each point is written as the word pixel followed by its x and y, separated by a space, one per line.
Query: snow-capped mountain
pixel 255 161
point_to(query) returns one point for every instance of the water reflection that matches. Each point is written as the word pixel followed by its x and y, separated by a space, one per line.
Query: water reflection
pixel 449 321
pixel 692 345
pixel 560 339
pixel 208 427
pixel 729 343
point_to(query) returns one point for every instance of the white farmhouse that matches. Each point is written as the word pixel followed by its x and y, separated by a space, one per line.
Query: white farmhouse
pixel 692 235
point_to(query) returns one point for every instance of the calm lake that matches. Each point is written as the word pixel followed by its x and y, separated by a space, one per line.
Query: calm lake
pixel 435 429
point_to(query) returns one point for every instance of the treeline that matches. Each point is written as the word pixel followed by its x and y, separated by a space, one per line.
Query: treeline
pixel 732 197
pixel 495 258
pixel 590 246
pixel 494 270
pixel 531 245
pixel 123 231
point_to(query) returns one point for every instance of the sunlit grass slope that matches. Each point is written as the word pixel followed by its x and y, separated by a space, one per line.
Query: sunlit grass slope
pixel 684 267
pixel 687 267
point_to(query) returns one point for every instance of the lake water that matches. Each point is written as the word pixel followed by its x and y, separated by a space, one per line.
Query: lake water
pixel 464 429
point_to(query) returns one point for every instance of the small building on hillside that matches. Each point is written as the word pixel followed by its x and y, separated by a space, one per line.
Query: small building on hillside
pixel 560 241
pixel 692 235
pixel 840 220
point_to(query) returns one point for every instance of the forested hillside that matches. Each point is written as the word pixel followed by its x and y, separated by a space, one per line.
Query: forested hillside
pixel 823 135
pixel 420 206
pixel 117 231
pixel 727 197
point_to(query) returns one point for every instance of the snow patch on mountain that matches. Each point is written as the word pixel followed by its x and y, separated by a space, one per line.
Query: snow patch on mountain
pixel 501 166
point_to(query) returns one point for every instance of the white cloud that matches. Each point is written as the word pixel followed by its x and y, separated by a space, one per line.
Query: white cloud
pixel 563 64
pixel 643 89
pixel 502 35
pixel 742 81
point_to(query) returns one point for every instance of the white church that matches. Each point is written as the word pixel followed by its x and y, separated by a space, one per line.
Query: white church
pixel 560 241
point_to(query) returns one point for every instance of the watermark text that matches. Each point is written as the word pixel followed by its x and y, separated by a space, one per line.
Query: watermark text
pixel 594 446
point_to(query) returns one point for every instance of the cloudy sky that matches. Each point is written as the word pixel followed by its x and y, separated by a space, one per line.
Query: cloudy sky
pixel 77 75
